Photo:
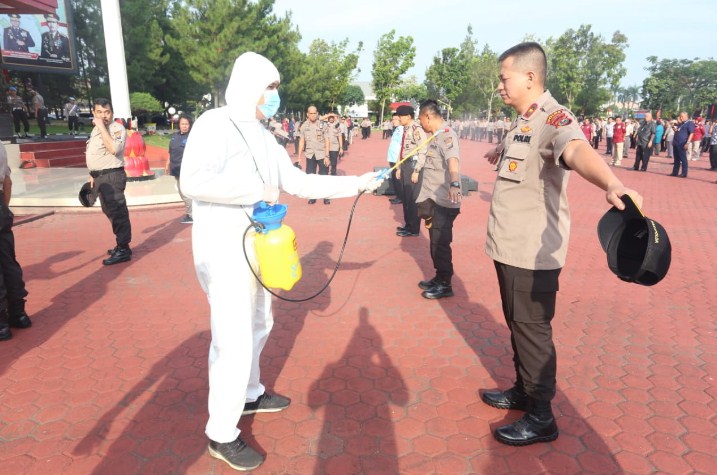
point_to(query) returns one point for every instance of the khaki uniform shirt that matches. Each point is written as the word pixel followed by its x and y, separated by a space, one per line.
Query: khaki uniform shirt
pixel 333 132
pixel 314 139
pixel 436 180
pixel 38 102
pixel 97 155
pixel 529 220
pixel 15 102
pixel 413 136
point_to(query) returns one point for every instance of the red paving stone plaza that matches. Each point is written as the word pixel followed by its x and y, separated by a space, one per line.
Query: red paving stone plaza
pixel 112 377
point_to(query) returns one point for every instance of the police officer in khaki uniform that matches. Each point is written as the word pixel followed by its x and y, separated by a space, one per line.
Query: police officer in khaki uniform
pixel 19 110
pixel 38 103
pixel 528 231
pixel 409 171
pixel 439 198
pixel 314 143
pixel 336 142
pixel 104 154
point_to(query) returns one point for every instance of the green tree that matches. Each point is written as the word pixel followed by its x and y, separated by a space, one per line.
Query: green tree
pixel 410 90
pixel 446 77
pixel 210 34
pixel 324 76
pixel 583 68
pixel 353 95
pixel 92 56
pixel 675 85
pixel 143 25
pixel 143 103
pixel 391 59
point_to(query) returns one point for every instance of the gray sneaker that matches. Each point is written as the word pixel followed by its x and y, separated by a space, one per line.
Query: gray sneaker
pixel 267 403
pixel 237 454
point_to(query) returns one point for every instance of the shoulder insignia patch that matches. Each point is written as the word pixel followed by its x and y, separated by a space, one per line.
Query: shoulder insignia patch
pixel 559 118
pixel 448 141
pixel 531 110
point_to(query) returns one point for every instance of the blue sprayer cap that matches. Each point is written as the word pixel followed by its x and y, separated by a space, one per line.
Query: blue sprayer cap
pixel 269 216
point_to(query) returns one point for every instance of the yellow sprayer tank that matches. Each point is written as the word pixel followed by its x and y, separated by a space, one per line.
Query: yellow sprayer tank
pixel 276 249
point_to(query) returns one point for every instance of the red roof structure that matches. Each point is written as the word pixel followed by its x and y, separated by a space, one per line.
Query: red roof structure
pixel 28 6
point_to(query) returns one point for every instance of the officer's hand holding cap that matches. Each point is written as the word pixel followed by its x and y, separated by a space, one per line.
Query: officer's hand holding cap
pixel 87 196
pixel 637 247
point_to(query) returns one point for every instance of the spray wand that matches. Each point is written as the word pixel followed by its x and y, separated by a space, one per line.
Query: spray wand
pixel 385 172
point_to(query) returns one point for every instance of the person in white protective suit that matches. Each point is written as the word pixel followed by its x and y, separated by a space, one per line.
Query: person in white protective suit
pixel 231 162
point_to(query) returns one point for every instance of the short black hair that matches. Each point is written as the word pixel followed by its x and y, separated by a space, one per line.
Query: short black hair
pixel 528 55
pixel 102 102
pixel 187 117
pixel 430 107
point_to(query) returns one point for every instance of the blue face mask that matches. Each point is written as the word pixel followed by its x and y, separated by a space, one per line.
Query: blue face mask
pixel 271 104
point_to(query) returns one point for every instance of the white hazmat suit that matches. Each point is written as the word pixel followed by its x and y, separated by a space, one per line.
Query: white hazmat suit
pixel 231 162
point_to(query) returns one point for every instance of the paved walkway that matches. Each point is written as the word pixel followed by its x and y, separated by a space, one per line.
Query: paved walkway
pixel 111 378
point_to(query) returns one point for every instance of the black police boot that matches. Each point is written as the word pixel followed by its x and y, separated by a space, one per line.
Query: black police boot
pixel 5 333
pixel 20 320
pixel 513 398
pixel 427 284
pixel 538 425
pixel 121 254
pixel 438 291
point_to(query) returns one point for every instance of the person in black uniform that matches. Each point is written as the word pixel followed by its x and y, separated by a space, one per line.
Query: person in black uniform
pixel 12 286
pixel 16 38
pixel 54 44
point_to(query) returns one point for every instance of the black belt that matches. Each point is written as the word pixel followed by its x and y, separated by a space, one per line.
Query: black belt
pixel 96 173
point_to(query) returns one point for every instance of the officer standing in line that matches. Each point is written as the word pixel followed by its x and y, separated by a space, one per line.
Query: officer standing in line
pixel 314 142
pixel 528 232
pixel 19 110
pixel 16 38
pixel 38 103
pixel 104 154
pixel 71 110
pixel 394 150
pixel 439 198
pixel 12 286
pixel 336 143
pixel 410 171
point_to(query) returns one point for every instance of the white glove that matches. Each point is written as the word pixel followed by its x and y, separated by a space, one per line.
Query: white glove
pixel 370 182
pixel 271 194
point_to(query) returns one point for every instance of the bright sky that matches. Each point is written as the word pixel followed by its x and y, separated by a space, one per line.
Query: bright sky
pixel 666 29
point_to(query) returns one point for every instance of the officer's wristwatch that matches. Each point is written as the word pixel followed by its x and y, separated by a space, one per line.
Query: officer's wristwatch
pixel 455 184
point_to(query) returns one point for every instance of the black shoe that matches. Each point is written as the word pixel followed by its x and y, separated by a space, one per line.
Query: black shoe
pixel 5 333
pixel 312 202
pixel 20 321
pixel 672 174
pixel 186 220
pixel 111 251
pixel 327 201
pixel 512 398
pixel 438 291
pixel 406 233
pixel 427 284
pixel 527 430
pixel 120 255
pixel 237 454
pixel 401 228
pixel 395 201
pixel 267 403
